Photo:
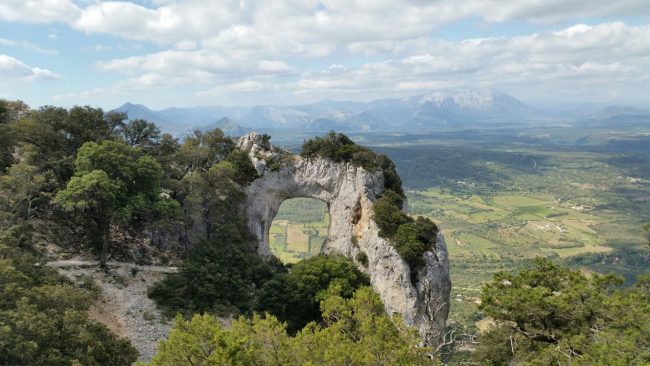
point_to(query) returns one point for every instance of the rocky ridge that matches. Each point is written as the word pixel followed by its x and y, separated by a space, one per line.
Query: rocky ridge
pixel 349 192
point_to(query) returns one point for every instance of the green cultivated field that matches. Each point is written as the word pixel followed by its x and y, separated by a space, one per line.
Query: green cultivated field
pixel 505 202
pixel 299 229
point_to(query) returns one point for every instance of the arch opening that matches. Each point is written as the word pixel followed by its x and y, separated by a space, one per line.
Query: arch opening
pixel 299 229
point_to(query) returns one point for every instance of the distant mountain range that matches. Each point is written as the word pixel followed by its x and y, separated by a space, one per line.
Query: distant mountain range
pixel 440 110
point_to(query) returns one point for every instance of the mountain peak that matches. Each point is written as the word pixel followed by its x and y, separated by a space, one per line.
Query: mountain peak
pixel 132 106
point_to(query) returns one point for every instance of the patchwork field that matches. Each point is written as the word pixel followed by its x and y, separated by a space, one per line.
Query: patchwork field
pixel 299 229
pixel 517 225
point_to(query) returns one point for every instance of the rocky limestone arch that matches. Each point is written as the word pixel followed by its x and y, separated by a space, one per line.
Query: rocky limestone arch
pixel 349 192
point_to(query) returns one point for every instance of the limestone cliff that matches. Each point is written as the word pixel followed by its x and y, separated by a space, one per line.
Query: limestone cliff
pixel 349 192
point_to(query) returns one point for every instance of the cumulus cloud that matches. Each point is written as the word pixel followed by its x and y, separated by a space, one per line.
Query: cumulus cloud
pixel 39 11
pixel 375 48
pixel 11 68
pixel 273 66
pixel 601 55
pixel 167 23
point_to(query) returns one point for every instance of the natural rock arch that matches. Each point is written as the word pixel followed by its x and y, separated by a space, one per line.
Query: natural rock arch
pixel 349 192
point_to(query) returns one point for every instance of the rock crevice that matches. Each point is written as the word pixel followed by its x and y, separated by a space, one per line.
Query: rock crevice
pixel 349 192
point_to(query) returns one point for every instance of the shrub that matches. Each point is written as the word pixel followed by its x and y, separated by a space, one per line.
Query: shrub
pixel 295 297
pixel 411 238
pixel 362 258
pixel 245 172
pixel 217 276
pixel 340 148
pixel 409 246
pixel 388 213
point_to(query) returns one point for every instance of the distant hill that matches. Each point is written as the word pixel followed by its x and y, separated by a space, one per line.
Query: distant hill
pixel 227 125
pixel 164 122
pixel 448 110
pixel 615 116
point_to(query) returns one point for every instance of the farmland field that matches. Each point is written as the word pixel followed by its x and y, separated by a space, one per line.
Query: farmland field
pixel 299 229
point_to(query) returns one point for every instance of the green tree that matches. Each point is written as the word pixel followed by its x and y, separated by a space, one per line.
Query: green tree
pixel 22 197
pixel 211 197
pixel 244 171
pixel 7 140
pixel 139 132
pixel 57 133
pixel 295 298
pixel 356 331
pixel 113 184
pixel 550 315
pixel 3 111
pixel 202 150
pixel 44 319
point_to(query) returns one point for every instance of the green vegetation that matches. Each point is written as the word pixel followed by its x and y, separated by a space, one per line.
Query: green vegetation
pixel 294 297
pixel 355 331
pixel 6 138
pixel 80 176
pixel 411 238
pixel 224 276
pixel 505 197
pixel 340 148
pixel 114 183
pixel 550 315
pixel 217 276
pixel 44 319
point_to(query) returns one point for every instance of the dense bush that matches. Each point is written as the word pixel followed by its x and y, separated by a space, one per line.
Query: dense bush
pixel 224 275
pixel 295 297
pixel 355 331
pixel 411 238
pixel 245 172
pixel 341 148
pixel 219 275
pixel 388 213
pixel 44 319
pixel 550 315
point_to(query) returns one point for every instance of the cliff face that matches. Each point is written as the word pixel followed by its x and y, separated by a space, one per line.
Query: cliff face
pixel 349 192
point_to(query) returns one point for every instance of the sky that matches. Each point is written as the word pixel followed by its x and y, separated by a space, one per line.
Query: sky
pixel 165 53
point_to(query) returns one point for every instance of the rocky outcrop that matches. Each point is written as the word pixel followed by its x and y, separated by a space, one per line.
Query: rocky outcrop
pixel 16 110
pixel 349 192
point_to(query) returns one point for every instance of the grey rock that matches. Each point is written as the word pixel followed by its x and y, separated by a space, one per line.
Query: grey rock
pixel 349 192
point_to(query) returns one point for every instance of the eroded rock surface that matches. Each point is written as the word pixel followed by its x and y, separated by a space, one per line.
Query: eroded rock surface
pixel 349 192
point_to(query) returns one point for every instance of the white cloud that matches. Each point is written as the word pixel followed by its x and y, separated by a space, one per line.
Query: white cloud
pixel 168 23
pixel 273 66
pixel 571 60
pixel 28 46
pixel 241 87
pixel 11 69
pixel 38 11
pixel 375 48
